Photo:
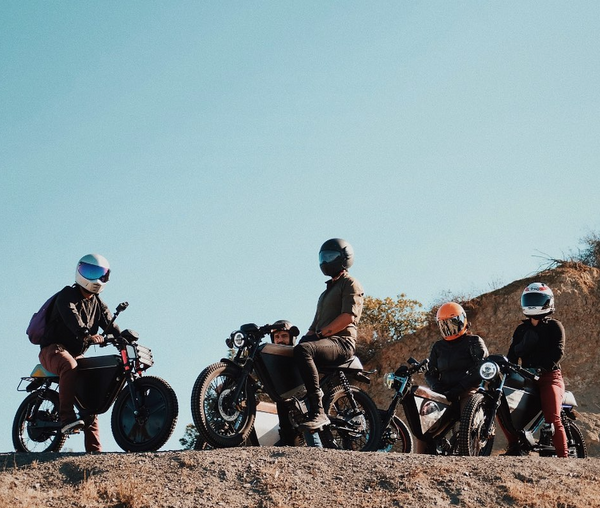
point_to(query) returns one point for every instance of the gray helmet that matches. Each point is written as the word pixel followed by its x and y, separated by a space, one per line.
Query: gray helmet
pixel 283 325
pixel 335 255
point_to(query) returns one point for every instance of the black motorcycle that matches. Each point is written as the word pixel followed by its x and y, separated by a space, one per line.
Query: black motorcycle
pixel 225 394
pixel 431 417
pixel 145 408
pixel 509 392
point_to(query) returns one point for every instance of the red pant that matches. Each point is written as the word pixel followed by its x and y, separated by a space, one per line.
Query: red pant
pixel 60 362
pixel 552 391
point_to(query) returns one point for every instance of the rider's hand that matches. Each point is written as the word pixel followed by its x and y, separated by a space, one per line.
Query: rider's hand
pixel 96 339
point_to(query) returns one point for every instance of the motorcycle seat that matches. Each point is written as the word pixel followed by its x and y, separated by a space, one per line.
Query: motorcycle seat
pixel 569 399
pixel 39 371
pixel 353 363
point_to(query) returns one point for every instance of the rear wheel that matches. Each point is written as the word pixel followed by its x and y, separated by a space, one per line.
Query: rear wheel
pixel 149 428
pixel 471 442
pixel 221 421
pixel 351 429
pixel 576 444
pixel 36 427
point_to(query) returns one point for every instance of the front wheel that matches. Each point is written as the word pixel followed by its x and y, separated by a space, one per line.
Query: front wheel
pixel 471 442
pixel 575 442
pixel 36 427
pixel 148 428
pixel 222 421
pixel 353 429
pixel 396 437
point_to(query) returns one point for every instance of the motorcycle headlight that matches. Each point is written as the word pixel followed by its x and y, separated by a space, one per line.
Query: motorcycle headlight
pixel 488 370
pixel 239 339
pixel 388 380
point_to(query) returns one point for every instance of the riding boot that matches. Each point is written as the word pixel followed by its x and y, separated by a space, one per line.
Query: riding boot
pixel 317 418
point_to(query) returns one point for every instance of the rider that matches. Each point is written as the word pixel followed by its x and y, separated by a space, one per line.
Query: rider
pixel 72 327
pixel 539 341
pixel 284 333
pixel 454 359
pixel 331 338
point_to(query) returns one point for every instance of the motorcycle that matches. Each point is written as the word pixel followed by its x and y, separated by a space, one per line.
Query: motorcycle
pixel 431 417
pixel 509 392
pixel 145 408
pixel 225 394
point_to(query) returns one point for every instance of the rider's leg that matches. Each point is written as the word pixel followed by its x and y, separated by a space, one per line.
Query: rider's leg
pixel 552 390
pixel 59 361
pixel 307 354
pixel 91 433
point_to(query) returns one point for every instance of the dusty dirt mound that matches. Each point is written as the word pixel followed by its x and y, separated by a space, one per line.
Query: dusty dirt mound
pixel 293 477
pixel 495 315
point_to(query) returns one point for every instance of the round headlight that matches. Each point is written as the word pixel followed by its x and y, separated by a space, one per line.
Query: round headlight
pixel 239 339
pixel 488 370
pixel 388 380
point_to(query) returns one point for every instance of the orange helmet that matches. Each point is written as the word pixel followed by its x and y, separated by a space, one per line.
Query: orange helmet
pixel 452 320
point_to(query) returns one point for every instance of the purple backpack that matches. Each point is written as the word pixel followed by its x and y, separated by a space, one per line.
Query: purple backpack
pixel 37 325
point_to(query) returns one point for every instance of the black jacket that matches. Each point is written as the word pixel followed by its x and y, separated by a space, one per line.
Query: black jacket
pixel 73 318
pixel 453 364
pixel 540 346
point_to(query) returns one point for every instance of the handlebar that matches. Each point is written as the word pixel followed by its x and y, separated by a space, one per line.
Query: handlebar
pixel 505 363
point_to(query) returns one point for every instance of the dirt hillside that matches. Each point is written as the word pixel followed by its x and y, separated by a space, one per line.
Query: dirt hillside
pixel 494 317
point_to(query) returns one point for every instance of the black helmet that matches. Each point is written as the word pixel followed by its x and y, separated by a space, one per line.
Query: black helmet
pixel 335 255
pixel 283 325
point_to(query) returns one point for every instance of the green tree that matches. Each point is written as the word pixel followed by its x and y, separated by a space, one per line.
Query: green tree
pixel 387 320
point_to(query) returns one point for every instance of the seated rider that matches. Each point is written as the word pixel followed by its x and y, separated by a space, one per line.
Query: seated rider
pixel 453 361
pixel 285 333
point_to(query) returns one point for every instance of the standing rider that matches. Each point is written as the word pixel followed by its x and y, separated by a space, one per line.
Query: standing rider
pixel 72 327
pixel 453 361
pixel 331 338
pixel 539 341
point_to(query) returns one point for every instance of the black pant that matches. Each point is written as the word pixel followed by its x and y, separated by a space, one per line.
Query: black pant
pixel 309 354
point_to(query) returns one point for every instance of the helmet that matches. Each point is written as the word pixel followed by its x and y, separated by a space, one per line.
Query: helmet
pixel 286 326
pixel 452 320
pixel 335 255
pixel 537 300
pixel 93 271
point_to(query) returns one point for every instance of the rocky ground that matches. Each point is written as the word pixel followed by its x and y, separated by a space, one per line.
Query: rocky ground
pixel 293 477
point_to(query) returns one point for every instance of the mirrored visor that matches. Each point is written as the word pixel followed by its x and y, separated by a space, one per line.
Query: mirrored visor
pixel 93 272
pixel 327 256
pixel 534 300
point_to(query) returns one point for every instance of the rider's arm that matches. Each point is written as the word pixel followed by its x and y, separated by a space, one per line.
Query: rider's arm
pixel 337 325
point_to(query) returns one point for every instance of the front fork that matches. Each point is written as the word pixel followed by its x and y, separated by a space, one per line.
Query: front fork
pixel 496 399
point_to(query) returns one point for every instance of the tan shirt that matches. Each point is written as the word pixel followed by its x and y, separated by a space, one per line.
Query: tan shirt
pixel 342 296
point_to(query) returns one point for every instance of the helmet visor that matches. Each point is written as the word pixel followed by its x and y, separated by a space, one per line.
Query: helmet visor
pixel 93 272
pixel 535 300
pixel 452 326
pixel 327 256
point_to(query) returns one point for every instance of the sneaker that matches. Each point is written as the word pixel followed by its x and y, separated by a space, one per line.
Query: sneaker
pixel 72 426
pixel 315 422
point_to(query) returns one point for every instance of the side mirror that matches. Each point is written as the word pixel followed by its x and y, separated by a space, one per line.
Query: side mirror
pixel 122 306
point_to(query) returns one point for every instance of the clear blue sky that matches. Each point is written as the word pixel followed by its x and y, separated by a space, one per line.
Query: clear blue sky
pixel 207 149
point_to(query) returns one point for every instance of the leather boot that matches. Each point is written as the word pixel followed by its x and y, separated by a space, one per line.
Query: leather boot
pixel 317 418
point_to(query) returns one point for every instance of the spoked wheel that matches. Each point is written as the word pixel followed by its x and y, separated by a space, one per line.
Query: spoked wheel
pixel 153 424
pixel 36 427
pixel 471 442
pixel 351 429
pixel 222 421
pixel 396 437
pixel 575 442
